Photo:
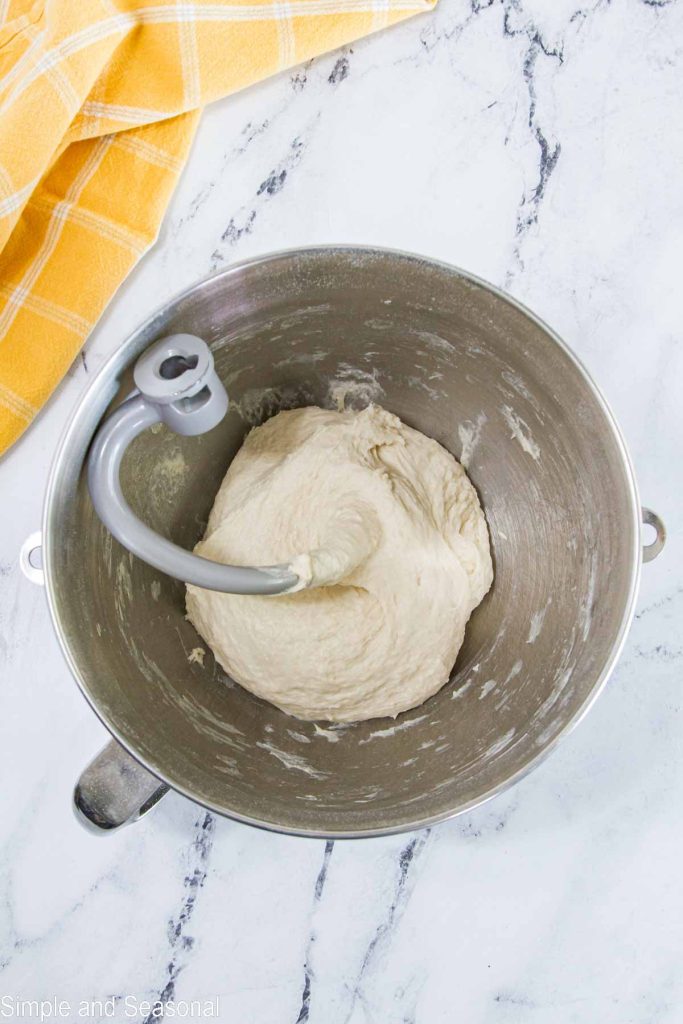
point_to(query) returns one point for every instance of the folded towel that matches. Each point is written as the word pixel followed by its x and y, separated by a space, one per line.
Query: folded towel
pixel 99 101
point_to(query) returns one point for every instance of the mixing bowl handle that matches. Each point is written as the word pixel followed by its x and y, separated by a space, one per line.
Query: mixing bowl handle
pixel 115 790
pixel 651 550
pixel 177 385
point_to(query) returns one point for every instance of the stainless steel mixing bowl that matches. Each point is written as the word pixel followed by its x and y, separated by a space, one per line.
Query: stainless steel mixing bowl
pixel 468 366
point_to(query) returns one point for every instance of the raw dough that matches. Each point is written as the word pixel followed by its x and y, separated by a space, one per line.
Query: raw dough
pixel 392 527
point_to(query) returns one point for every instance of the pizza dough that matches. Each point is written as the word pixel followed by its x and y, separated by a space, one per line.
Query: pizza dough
pixel 387 530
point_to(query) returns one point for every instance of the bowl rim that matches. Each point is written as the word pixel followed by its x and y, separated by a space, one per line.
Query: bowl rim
pixel 116 360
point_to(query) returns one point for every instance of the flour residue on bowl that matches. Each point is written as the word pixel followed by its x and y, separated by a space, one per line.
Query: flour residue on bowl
pixel 227 765
pixel 505 694
pixel 123 585
pixel 107 552
pixel 563 675
pixel 500 744
pixel 462 690
pixel 518 385
pixel 491 684
pixel 421 382
pixel 520 432
pixel 392 730
pixel 368 796
pixel 469 433
pixel 196 656
pixel 298 737
pixel 350 388
pixel 292 761
pixel 587 604
pixel 167 475
pixel 331 735
pixel 353 388
pixel 514 671
pixel 435 341
pixel 302 358
pixel 256 405
pixel 487 687
pixel 537 620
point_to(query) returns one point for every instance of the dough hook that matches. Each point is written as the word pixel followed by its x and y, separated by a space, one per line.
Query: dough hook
pixel 176 384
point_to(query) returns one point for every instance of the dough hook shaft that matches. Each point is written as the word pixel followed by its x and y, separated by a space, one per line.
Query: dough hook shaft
pixel 176 384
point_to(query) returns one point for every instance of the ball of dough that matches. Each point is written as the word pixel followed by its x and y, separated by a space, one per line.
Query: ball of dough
pixel 386 528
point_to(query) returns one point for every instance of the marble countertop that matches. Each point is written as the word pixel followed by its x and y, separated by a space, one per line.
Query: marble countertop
pixel 538 145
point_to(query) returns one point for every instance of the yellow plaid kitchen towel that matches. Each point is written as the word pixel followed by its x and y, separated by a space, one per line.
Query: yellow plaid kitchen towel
pixel 99 100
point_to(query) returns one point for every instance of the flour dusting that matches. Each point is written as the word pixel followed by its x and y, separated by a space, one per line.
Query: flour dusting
pixel 469 434
pixel 537 620
pixel 196 656
pixel 292 761
pixel 520 432
pixel 392 730
pixel 488 686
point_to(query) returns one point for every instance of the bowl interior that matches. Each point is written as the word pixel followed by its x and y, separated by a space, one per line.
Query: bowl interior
pixel 467 367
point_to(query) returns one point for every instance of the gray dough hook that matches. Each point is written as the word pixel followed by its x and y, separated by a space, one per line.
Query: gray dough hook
pixel 176 384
